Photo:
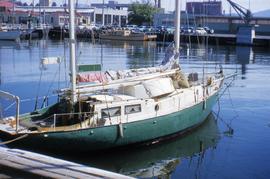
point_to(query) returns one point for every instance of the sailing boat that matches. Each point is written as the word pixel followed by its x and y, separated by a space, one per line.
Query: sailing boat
pixel 7 33
pixel 13 35
pixel 131 107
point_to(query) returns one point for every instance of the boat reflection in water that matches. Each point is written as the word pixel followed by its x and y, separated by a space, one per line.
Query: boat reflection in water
pixel 154 160
pixel 146 161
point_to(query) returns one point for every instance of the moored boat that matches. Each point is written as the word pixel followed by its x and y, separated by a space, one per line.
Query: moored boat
pixel 126 35
pixel 130 107
pixel 10 35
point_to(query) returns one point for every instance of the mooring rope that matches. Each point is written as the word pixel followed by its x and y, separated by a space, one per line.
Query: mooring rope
pixel 228 124
pixel 13 140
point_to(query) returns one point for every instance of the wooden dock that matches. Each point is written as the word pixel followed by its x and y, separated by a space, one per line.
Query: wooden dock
pixel 49 167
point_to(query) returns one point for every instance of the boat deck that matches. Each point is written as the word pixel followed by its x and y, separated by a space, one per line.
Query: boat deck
pixel 49 167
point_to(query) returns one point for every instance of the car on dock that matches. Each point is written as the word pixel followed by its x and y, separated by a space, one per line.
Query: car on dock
pixel 131 27
pixel 187 30
pixel 200 31
pixel 209 30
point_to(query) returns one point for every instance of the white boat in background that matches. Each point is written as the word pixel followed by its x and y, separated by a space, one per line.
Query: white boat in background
pixel 10 35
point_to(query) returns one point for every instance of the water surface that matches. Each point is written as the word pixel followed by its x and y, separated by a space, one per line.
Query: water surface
pixel 235 139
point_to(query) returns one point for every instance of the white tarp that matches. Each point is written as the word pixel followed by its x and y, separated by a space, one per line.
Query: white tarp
pixel 159 86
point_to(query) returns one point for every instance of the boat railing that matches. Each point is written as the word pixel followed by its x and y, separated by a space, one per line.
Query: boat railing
pixel 12 97
pixel 85 119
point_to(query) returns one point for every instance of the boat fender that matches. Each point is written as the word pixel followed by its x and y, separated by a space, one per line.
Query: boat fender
pixel 121 132
pixel 156 107
pixel 210 81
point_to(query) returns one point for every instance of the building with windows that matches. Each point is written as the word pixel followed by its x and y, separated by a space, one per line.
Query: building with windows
pixel 220 24
pixel 210 7
pixel 58 16
pixel 111 5
pixel 44 2
pixel 209 13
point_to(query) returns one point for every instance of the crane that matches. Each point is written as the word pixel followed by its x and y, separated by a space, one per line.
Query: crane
pixel 243 12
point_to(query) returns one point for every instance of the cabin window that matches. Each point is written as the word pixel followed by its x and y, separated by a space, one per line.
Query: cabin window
pixel 133 109
pixel 111 112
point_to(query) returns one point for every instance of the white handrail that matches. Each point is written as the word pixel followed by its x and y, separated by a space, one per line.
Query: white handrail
pixel 12 97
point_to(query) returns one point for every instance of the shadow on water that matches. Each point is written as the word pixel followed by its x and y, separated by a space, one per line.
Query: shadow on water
pixel 145 161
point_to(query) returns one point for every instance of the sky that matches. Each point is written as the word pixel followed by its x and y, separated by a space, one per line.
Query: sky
pixel 255 5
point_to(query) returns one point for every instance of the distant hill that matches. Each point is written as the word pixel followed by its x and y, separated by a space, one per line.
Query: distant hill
pixel 265 13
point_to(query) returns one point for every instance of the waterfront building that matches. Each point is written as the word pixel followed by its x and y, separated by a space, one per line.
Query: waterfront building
pixel 58 15
pixel 111 5
pixel 44 2
pixel 195 16
pixel 210 7
pixel 221 24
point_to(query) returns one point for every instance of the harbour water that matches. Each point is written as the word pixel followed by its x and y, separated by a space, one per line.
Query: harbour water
pixel 233 143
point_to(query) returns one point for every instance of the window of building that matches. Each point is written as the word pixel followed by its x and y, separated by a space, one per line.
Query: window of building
pixel 123 20
pixel 111 112
pixel 98 18
pixel 133 109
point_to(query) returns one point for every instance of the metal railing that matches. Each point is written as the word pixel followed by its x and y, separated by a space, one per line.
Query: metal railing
pixel 52 120
pixel 12 97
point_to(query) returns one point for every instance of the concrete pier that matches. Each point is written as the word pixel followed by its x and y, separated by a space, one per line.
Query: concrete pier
pixel 215 39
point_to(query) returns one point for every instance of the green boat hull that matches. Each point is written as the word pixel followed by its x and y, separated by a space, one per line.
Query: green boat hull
pixel 147 130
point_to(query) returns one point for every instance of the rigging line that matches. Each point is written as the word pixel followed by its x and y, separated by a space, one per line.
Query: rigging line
pixel 228 125
pixel 65 63
pixel 59 76
pixel 195 25
pixel 107 106
pixel 189 38
pixel 31 99
pixel 46 96
pixel 8 107
pixel 1 111
pixel 39 84
pixel 227 86
pixel 13 140
pixel 52 83
pixel 233 107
